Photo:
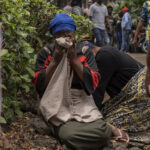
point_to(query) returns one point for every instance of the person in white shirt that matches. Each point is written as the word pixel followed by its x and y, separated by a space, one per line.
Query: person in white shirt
pixel 98 14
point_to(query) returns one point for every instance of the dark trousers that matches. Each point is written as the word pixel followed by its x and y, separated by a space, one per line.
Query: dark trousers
pixel 84 136
pixel 125 40
pixel 99 35
pixel 119 39
pixel 111 39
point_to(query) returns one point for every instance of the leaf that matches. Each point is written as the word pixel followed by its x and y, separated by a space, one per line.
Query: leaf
pixel 21 33
pixel 29 50
pixel 9 115
pixel 30 28
pixel 4 87
pixel 26 87
pixel 4 52
pixel 26 78
pixel 2 120
pixel 31 72
pixel 19 112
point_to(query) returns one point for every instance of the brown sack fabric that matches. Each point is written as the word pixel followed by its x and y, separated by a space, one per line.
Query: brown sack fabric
pixel 57 89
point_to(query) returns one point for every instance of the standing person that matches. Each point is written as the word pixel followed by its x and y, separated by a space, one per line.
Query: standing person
pixel 126 25
pixel 76 7
pixel 86 10
pixel 98 14
pixel 68 7
pixel 112 23
pixel 145 20
pixel 118 30
pixel 71 112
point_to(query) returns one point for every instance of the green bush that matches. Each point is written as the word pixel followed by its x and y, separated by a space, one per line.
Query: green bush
pixel 25 25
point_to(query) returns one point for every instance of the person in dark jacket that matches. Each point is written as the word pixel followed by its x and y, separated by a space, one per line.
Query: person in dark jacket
pixel 116 69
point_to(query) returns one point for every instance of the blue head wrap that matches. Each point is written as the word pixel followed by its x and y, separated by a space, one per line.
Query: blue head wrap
pixel 62 22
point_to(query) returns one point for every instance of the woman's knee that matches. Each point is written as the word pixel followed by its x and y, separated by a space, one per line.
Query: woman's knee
pixel 65 134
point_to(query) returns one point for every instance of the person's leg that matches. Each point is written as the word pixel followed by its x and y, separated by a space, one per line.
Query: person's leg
pixel 105 37
pixel 128 40
pixel 85 136
pixel 120 39
pixel 111 38
pixel 98 37
pixel 117 40
pixel 123 45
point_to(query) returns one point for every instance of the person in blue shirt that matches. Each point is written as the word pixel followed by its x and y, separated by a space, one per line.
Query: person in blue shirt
pixel 126 25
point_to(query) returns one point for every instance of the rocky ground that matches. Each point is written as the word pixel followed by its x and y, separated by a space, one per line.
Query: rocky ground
pixel 31 133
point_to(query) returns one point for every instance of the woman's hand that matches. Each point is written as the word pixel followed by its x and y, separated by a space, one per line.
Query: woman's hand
pixel 72 53
pixel 58 53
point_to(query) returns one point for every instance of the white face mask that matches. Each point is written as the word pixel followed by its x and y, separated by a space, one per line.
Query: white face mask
pixel 65 42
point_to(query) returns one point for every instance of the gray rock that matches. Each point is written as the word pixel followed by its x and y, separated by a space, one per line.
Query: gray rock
pixel 147 147
pixel 49 142
pixel 39 126
pixel 135 144
pixel 113 145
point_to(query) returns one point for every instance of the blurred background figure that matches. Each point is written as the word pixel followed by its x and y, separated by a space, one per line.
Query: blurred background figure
pixel 118 30
pixel 76 7
pixel 68 7
pixel 0 38
pixel 98 14
pixel 112 23
pixel 86 10
pixel 0 72
pixel 126 25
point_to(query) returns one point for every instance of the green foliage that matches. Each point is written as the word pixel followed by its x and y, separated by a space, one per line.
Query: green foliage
pixel 2 120
pixel 25 25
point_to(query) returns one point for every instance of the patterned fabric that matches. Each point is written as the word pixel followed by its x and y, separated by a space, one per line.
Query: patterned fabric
pixel 145 15
pixel 130 110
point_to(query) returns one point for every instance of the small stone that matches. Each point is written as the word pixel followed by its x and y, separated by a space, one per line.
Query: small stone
pixel 135 148
pixel 147 147
pixel 113 145
pixel 135 144
pixel 39 125
pixel 119 146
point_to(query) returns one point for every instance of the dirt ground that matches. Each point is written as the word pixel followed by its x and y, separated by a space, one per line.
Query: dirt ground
pixel 139 57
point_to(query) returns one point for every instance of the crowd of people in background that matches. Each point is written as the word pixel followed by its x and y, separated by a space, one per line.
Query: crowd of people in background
pixel 108 29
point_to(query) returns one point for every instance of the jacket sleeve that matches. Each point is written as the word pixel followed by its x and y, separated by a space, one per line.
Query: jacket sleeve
pixel 42 62
pixel 91 76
